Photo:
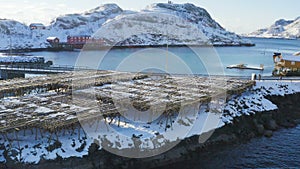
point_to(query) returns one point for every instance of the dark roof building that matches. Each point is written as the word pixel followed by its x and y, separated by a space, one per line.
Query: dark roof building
pixel 53 39
pixel 37 26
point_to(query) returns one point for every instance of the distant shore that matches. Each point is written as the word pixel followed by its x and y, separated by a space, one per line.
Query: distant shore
pixel 51 49
pixel 280 38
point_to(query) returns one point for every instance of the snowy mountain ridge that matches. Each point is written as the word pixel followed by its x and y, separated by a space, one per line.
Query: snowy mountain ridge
pixel 289 29
pixel 188 24
pixel 22 37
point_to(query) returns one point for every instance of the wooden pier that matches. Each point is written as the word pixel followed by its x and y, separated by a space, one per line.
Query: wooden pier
pixel 56 101
pixel 19 70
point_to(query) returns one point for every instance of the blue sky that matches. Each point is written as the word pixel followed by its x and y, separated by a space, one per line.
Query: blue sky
pixel 241 16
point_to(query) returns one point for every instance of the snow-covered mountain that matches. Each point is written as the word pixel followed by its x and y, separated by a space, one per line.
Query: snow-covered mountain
pixel 202 20
pixel 21 36
pixel 18 35
pixel 173 24
pixel 158 24
pixel 280 29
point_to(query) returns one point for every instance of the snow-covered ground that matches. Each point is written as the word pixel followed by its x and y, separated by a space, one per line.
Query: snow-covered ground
pixel 289 29
pixel 183 21
pixel 32 145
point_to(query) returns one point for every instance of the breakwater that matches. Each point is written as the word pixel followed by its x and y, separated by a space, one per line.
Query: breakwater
pixel 189 152
pixel 51 141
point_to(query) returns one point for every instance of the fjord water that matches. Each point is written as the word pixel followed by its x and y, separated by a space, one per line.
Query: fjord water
pixel 280 151
pixel 192 57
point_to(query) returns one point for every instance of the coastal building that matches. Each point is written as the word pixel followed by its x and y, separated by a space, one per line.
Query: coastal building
pixel 52 40
pixel 78 39
pixel 77 42
pixel 37 26
pixel 286 65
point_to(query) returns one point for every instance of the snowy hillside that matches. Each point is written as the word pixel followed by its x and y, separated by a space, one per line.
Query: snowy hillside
pixel 151 28
pixel 281 29
pixel 18 35
pixel 173 24
pixel 156 25
pixel 85 23
pixel 201 18
pixel 72 24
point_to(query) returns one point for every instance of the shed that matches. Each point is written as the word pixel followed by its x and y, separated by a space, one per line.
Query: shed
pixel 53 39
pixel 37 26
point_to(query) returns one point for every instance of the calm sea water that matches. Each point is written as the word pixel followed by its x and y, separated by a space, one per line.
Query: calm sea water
pixel 280 151
pixel 198 60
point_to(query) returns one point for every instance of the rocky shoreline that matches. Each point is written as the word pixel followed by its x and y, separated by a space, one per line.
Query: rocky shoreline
pixel 244 128
pixel 50 49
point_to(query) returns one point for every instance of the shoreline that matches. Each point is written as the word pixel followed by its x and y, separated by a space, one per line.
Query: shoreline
pixel 51 49
pixel 243 129
pixel 278 38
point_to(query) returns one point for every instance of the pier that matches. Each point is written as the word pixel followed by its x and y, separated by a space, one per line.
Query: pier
pixel 19 70
pixel 48 102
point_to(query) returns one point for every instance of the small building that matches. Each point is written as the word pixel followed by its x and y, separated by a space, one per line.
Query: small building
pixel 286 65
pixel 52 40
pixel 37 26
pixel 78 39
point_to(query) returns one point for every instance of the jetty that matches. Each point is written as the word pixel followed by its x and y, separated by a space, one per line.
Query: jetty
pixel 56 101
pixel 19 71
pixel 243 66
pixel 16 66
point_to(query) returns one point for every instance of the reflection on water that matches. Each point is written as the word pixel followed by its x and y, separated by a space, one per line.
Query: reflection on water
pixel 253 56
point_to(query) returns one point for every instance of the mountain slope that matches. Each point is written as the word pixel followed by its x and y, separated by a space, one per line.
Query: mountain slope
pixel 158 24
pixel 202 19
pixel 72 24
pixel 17 35
pixel 289 29
pixel 163 23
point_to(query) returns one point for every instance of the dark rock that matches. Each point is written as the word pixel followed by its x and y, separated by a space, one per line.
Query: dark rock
pixel 260 129
pixel 271 125
pixel 268 133
pixel 81 148
pixel 225 138
pixel 93 148
pixel 251 135
pixel 287 124
pixel 255 122
pixel 55 145
pixel 297 121
pixel 14 153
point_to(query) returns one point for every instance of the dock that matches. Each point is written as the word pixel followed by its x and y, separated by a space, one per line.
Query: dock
pixel 56 101
pixel 243 66
pixel 16 66
pixel 19 70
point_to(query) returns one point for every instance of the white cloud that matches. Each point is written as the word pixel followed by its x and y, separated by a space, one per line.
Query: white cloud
pixel 33 12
